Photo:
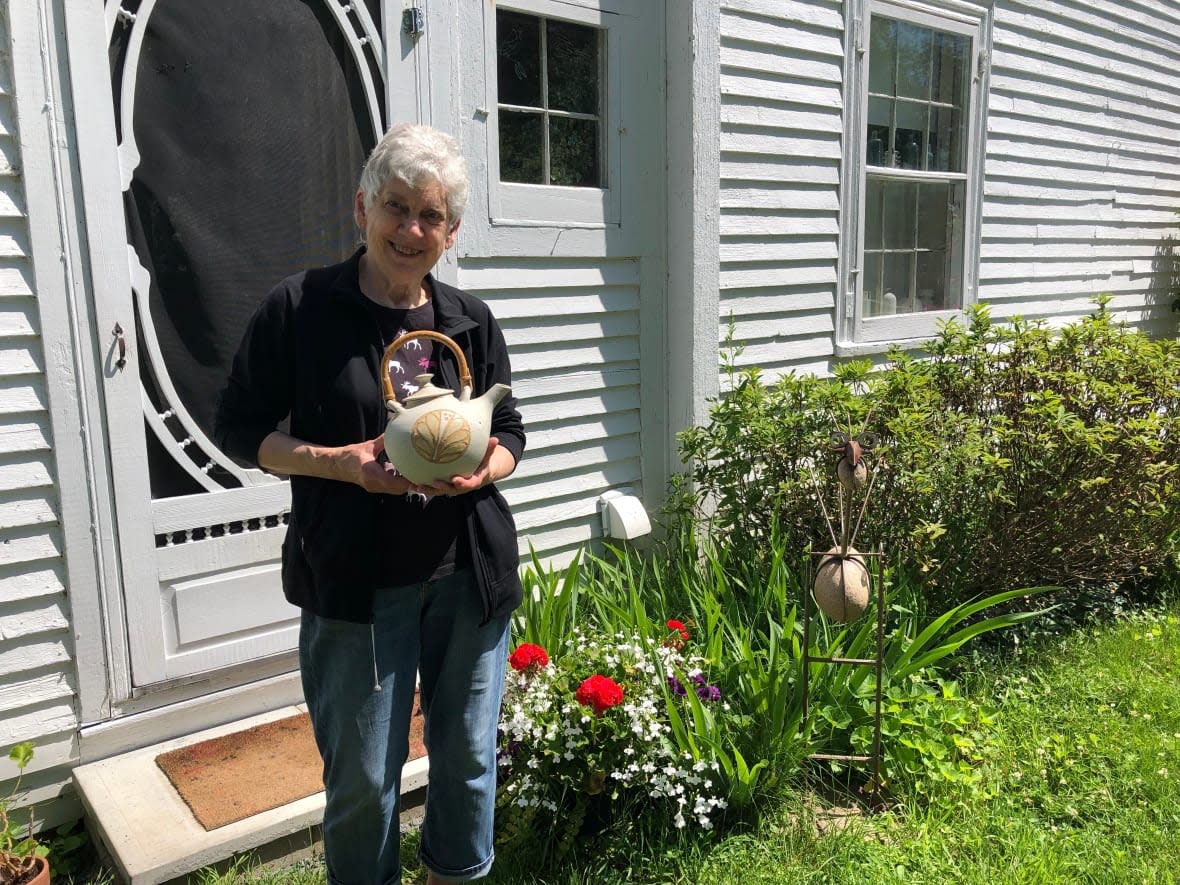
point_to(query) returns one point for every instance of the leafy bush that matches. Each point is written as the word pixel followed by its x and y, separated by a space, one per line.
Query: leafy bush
pixel 1011 454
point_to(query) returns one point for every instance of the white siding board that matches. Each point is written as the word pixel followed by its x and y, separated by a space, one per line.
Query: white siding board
pixel 825 15
pixel 776 249
pixel 780 89
pixel 775 34
pixel 20 581
pixel 32 546
pixel 22 512
pixel 785 171
pixel 14 281
pixel 7 115
pixel 738 56
pixel 24 436
pixel 18 318
pixel 779 223
pixel 25 473
pixel 22 395
pixel 780 142
pixel 750 112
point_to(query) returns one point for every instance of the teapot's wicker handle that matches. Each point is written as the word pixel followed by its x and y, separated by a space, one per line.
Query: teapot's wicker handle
pixel 387 384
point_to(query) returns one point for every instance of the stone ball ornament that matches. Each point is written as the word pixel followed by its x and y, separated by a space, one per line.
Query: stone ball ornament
pixel 842 587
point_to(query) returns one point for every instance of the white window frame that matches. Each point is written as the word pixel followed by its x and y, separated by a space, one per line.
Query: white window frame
pixel 511 204
pixel 857 333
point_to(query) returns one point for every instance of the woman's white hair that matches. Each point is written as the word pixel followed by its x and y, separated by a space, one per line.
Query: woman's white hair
pixel 417 155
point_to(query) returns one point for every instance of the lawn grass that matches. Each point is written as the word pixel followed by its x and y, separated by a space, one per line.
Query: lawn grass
pixel 1080 783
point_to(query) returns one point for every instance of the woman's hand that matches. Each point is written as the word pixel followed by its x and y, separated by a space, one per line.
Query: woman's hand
pixel 358 463
pixel 497 463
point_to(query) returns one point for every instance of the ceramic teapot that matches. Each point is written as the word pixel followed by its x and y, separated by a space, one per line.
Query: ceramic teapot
pixel 433 434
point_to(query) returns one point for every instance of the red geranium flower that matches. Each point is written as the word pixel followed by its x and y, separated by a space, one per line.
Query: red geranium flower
pixel 599 692
pixel 679 627
pixel 528 657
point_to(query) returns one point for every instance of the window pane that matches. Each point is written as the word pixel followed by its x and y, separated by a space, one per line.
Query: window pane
pixel 913 60
pixel 951 55
pixel 521 147
pixel 873 294
pixel 874 215
pixel 910 136
pixel 882 56
pixel 878 150
pixel 518 59
pixel 928 71
pixel 946 140
pixel 899 221
pixel 896 282
pixel 573 148
pixel 572 63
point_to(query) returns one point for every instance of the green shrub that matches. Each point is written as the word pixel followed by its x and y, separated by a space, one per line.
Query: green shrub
pixel 1011 454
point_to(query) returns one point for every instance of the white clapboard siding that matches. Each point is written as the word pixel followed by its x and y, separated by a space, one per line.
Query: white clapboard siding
pixel 1082 176
pixel 572 329
pixel 37 672
pixel 781 132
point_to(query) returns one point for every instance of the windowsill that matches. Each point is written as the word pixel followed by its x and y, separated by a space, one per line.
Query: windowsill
pixel 870 348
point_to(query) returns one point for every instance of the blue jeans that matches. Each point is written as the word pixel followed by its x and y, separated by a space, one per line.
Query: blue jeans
pixel 432 629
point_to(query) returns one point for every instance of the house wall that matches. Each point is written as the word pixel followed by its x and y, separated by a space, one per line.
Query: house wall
pixel 37 673
pixel 781 133
pixel 1081 179
pixel 573 330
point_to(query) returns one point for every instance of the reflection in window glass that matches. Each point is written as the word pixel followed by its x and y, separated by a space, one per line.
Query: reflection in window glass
pixel 913 245
pixel 518 59
pixel 919 82
pixel 521 137
pixel 919 86
pixel 573 146
pixel 549 81
pixel 572 63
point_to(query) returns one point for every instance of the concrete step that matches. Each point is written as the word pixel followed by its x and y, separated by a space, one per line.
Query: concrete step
pixel 150 834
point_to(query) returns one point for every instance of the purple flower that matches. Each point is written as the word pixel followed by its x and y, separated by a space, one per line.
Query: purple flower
pixel 708 692
pixel 698 678
pixel 677 687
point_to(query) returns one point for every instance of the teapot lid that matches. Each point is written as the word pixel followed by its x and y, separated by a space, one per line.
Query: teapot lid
pixel 426 392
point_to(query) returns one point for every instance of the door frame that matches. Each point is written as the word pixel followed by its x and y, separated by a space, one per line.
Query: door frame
pixel 101 296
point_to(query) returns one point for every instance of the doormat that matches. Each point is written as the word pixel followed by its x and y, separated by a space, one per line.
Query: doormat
pixel 232 777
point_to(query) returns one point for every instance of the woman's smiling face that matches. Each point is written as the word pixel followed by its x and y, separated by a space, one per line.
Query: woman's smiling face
pixel 406 231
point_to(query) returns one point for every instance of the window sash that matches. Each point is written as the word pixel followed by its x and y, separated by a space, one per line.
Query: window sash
pixel 512 204
pixel 862 323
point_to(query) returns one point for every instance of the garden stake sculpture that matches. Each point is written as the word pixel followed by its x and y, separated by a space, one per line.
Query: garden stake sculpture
pixel 843 578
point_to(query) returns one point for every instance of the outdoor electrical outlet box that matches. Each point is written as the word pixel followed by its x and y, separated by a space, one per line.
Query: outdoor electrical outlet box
pixel 623 516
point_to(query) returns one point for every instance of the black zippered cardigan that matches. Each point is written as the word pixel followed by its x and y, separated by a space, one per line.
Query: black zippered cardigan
pixel 312 351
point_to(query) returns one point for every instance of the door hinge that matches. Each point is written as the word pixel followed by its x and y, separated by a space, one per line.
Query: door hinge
pixel 413 22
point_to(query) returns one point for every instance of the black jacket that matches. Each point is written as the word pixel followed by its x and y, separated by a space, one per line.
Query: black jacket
pixel 312 351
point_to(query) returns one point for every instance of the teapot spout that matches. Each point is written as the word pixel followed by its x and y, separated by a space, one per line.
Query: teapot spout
pixel 496 393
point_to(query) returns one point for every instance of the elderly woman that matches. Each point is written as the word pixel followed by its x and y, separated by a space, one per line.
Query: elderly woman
pixel 393 579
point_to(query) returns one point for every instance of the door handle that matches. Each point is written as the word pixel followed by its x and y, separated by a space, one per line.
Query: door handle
pixel 121 343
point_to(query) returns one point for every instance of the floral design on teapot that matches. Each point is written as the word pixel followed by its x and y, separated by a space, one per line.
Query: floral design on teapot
pixel 441 436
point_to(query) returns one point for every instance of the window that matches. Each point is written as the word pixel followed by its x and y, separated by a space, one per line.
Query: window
pixel 916 159
pixel 553 111
pixel 548 76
